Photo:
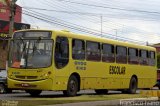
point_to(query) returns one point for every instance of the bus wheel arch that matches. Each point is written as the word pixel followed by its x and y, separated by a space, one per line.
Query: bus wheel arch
pixel 133 85
pixel 73 85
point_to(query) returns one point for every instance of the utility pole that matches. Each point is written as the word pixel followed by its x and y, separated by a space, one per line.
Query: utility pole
pixel 12 14
pixel 101 25
pixel 115 33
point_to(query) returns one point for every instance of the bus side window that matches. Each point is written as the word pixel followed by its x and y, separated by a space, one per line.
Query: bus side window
pixel 151 58
pixel 108 53
pixel 61 52
pixel 78 49
pixel 143 57
pixel 121 55
pixel 133 56
pixel 93 51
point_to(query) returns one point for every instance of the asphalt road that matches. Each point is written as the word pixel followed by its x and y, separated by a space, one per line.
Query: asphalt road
pixel 22 95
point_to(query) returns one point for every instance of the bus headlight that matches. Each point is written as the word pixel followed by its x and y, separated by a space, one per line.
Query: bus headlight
pixel 46 75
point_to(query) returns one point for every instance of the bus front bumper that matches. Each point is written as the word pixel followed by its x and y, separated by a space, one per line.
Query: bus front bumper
pixel 36 85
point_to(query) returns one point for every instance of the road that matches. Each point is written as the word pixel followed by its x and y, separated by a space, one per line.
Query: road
pixel 22 95
pixel 18 95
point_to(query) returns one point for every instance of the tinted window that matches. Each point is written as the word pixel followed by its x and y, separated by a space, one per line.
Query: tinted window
pixel 108 53
pixel 143 57
pixel 151 58
pixel 61 52
pixel 93 51
pixel 78 49
pixel 121 56
pixel 133 56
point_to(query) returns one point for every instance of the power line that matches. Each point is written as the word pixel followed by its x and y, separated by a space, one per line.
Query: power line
pixel 71 15
pixel 113 35
pixel 68 12
pixel 79 13
pixel 86 13
pixel 113 8
pixel 51 4
pixel 80 28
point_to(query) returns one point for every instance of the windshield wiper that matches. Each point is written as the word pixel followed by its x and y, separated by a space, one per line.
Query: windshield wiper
pixel 35 46
pixel 21 39
pixel 23 57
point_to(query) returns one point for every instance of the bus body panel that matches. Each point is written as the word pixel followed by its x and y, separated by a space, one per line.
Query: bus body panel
pixel 93 74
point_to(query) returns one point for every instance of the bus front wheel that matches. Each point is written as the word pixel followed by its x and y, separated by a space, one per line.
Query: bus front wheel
pixel 132 86
pixel 34 93
pixel 72 87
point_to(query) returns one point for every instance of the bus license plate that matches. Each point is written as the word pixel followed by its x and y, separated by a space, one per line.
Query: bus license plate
pixel 25 85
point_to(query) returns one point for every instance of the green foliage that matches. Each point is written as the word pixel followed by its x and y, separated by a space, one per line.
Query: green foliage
pixel 158 60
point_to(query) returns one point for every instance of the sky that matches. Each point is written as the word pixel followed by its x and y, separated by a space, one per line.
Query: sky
pixel 135 21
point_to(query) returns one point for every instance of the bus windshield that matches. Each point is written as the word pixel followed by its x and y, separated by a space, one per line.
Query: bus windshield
pixel 30 53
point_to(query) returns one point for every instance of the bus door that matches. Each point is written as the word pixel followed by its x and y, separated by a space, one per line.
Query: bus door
pixel 61 59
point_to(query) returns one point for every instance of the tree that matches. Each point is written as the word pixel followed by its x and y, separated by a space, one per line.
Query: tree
pixel 158 60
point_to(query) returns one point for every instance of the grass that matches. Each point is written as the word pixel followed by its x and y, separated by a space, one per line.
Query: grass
pixel 81 98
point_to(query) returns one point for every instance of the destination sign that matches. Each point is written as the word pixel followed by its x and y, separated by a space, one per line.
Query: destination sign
pixel 32 34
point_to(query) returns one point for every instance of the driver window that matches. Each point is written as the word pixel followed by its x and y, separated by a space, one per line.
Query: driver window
pixel 61 52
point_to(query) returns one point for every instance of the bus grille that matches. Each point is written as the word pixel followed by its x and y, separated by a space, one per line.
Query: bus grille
pixel 26 77
pixel 31 77
pixel 20 77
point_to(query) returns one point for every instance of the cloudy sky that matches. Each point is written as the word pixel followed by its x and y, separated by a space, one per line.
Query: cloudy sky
pixel 127 20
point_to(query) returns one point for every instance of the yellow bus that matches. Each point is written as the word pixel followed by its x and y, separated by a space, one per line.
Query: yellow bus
pixel 63 61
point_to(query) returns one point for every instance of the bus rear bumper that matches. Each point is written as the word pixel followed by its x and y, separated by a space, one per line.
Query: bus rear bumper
pixel 36 85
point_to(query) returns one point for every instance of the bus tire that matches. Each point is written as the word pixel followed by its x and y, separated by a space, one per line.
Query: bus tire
pixel 132 86
pixel 34 93
pixel 124 91
pixel 101 91
pixel 2 89
pixel 72 87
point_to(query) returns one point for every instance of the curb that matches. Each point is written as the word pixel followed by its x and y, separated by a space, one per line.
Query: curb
pixel 153 93
pixel 120 102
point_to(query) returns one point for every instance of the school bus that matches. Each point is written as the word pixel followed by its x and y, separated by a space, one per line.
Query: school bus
pixel 63 61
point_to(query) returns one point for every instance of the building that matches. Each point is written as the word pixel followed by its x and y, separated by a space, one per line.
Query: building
pixel 5 11
pixel 157 46
pixel 4 27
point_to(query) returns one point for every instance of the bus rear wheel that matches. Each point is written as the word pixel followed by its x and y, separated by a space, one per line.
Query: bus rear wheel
pixel 34 93
pixel 101 91
pixel 72 87
pixel 132 86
